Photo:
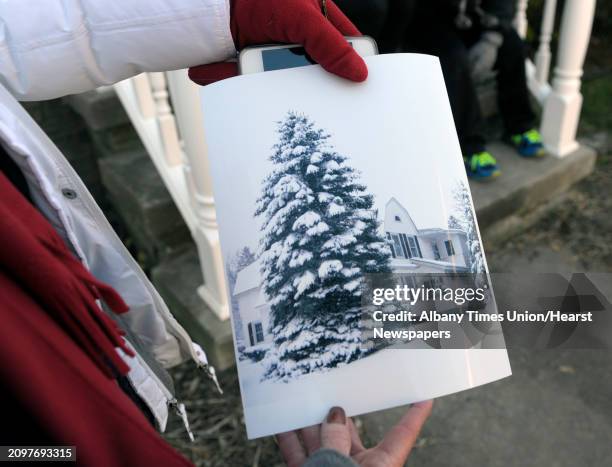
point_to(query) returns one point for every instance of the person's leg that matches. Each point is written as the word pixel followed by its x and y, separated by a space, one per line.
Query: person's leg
pixel 443 41
pixel 513 95
pixel 513 98
pixel 446 44
pixel 368 15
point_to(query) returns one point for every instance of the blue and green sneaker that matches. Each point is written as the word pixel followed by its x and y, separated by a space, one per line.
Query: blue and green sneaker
pixel 528 144
pixel 481 166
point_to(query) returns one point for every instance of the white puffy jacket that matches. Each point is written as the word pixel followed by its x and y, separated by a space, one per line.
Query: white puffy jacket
pixel 52 48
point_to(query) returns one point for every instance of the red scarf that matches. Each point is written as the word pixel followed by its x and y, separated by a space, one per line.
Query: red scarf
pixel 36 257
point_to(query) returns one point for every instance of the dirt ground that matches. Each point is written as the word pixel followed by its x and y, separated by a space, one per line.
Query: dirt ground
pixel 217 423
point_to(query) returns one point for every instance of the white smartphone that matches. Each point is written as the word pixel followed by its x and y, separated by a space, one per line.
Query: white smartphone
pixel 278 57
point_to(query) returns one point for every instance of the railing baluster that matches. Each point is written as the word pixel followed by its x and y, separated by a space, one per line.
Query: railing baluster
pixel 564 103
pixel 142 88
pixel 165 119
pixel 520 20
pixel 186 99
pixel 182 164
pixel 543 56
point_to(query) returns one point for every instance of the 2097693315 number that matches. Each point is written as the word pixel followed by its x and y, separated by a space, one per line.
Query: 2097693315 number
pixel 37 453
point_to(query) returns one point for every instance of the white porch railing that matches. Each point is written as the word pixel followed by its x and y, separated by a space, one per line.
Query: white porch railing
pixel 172 131
pixel 173 137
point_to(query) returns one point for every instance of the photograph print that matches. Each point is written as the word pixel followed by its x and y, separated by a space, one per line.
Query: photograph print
pixel 328 185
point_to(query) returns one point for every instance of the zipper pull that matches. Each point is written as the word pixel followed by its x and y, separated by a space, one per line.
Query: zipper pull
pixel 181 411
pixel 202 363
pixel 212 374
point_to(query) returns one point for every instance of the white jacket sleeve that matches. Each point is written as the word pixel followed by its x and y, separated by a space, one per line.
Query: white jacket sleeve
pixel 55 47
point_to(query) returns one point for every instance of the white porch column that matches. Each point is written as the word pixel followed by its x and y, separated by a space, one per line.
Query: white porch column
pixel 186 103
pixel 563 105
pixel 543 56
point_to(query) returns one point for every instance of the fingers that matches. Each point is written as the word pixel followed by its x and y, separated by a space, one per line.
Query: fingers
pixel 208 74
pixel 291 449
pixel 326 44
pixel 400 439
pixel 335 432
pixel 311 437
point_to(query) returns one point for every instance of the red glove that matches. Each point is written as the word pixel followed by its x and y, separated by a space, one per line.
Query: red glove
pixel 291 22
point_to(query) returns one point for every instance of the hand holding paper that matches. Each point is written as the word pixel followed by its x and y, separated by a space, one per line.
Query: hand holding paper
pixel 338 433
pixel 291 22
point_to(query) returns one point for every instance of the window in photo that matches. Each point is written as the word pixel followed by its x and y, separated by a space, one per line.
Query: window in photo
pixel 259 334
pixel 400 251
pixel 436 251
pixel 414 248
pixel 450 250
pixel 391 245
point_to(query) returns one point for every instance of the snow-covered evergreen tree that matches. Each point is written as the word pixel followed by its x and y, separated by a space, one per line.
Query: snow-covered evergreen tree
pixel 244 258
pixel 463 219
pixel 320 235
pixel 454 223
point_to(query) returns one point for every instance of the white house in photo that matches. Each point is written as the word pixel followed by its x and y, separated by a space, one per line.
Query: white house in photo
pixel 414 250
pixel 252 306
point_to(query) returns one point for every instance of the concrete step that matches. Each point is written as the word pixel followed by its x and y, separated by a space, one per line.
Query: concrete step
pixel 525 189
pixel 107 122
pixel 99 108
pixel 177 280
pixel 139 196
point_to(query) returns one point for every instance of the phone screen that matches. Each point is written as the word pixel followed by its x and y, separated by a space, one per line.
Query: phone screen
pixel 280 59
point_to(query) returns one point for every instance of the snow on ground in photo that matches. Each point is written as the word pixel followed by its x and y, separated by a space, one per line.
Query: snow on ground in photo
pixel 386 379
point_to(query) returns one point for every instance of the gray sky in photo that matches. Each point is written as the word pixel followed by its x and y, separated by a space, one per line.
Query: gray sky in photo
pixel 396 129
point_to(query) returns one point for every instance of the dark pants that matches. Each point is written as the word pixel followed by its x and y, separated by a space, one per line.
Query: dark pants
pixel 433 36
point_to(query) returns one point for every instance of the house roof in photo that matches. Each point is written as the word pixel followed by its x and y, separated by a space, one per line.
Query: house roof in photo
pixel 248 278
pixel 394 200
pixel 428 231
